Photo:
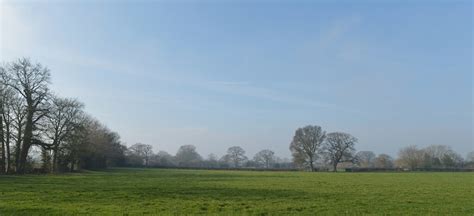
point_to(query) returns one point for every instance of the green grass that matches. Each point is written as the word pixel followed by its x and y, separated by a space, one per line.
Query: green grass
pixel 164 191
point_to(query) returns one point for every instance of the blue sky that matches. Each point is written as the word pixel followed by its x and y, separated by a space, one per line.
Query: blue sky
pixel 221 73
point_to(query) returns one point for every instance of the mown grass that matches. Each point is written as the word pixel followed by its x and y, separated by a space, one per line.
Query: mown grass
pixel 165 191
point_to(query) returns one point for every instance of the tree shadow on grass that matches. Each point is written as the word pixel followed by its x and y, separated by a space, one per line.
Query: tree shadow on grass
pixel 26 210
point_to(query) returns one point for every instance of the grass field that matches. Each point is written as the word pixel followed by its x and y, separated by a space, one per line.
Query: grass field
pixel 164 191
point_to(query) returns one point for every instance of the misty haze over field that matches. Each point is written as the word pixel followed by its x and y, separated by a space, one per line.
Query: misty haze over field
pixel 218 74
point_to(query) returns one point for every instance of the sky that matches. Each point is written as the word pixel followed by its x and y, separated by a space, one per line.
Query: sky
pixel 216 74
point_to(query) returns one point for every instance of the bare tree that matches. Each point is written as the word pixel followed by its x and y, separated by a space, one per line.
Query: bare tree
pixel 3 110
pixel 2 136
pixel 236 155
pixel 8 114
pixel 144 151
pixel 365 159
pixel 7 101
pixel 433 155
pixel 19 116
pixel 31 82
pixel 265 157
pixel 451 159
pixel 470 159
pixel 306 144
pixel 410 157
pixel 383 161
pixel 339 147
pixel 64 117
pixel 440 156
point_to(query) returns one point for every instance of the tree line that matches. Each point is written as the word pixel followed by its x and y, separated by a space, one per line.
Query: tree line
pixel 41 131
pixel 142 155
pixel 312 149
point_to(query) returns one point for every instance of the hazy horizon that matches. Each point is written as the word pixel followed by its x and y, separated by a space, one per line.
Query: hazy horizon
pixel 218 74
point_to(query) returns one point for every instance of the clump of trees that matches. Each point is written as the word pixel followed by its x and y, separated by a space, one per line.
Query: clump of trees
pixel 265 158
pixel 34 119
pixel 311 144
pixel 140 154
pixel 432 157
pixel 314 149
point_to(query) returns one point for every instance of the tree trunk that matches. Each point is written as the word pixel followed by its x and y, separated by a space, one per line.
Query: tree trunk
pixel 335 166
pixel 311 165
pixel 2 147
pixel 8 147
pixel 72 165
pixel 18 148
pixel 23 159
pixel 55 160
pixel 55 156
pixel 28 135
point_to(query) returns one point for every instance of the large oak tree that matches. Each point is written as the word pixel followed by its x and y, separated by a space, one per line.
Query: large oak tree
pixel 305 145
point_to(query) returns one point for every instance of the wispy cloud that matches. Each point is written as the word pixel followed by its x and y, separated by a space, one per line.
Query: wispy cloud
pixel 336 41
pixel 247 89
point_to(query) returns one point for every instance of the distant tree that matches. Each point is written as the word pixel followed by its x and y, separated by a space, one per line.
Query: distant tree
pixel 365 159
pixel 236 155
pixel 440 156
pixel 470 159
pixel 250 163
pixel 265 158
pixel 410 157
pixel 383 161
pixel 212 157
pixel 225 161
pixel 306 143
pixel 212 161
pixel 188 156
pixel 144 151
pixel 134 159
pixel 165 159
pixel 283 163
pixel 432 155
pixel 339 147
pixel 451 159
